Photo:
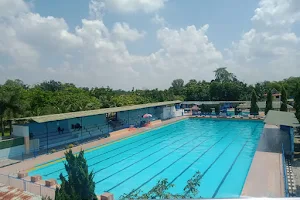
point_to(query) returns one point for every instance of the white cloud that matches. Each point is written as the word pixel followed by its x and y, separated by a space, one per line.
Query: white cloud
pixel 96 9
pixel 122 31
pixel 9 8
pixel 40 48
pixel 268 53
pixel 36 48
pixel 277 12
pixel 159 20
pixel 130 6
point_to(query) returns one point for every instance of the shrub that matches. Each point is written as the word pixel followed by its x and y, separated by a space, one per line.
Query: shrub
pixel 80 184
pixel 161 190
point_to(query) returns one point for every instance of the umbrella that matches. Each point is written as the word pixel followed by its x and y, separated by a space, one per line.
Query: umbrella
pixel 147 115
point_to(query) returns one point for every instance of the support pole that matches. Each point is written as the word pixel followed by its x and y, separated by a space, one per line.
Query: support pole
pixel 10 127
pixel 128 118
pixel 47 137
pixel 81 126
pixel 107 121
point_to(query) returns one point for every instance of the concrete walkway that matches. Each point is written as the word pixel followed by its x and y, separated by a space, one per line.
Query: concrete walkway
pixel 265 177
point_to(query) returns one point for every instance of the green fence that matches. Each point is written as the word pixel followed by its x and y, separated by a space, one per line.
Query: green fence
pixel 12 142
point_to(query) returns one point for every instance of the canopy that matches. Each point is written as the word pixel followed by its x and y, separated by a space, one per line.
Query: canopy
pixel 63 116
pixel 281 118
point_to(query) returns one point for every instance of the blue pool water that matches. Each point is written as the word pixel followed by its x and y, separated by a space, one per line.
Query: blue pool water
pixel 222 150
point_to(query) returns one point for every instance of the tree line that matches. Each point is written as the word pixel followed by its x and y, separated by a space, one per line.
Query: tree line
pixel 18 99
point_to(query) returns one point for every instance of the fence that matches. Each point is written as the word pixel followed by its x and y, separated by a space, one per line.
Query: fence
pixel 286 187
pixel 28 186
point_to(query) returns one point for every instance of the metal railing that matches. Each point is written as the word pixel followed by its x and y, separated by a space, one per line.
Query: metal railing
pixel 28 186
pixel 286 187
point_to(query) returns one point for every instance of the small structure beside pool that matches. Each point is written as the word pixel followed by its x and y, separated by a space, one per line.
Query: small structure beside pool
pixel 267 174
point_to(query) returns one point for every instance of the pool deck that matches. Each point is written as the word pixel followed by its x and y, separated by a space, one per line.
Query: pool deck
pixel 265 177
pixel 51 158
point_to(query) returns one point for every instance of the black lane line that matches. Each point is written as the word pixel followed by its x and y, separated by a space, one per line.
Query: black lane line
pixel 178 160
pixel 157 161
pixel 139 152
pixel 136 153
pixel 221 183
pixel 170 133
pixel 144 158
pixel 114 150
pixel 217 158
pixel 173 130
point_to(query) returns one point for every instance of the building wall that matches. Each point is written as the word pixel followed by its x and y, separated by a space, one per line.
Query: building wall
pixel 21 131
pixel 41 128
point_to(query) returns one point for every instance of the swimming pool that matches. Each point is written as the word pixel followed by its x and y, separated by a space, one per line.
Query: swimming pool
pixel 222 150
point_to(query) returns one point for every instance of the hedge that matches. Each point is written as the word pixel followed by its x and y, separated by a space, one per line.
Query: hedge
pixel 11 142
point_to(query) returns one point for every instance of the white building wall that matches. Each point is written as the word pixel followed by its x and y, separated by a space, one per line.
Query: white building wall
pixel 168 112
pixel 21 131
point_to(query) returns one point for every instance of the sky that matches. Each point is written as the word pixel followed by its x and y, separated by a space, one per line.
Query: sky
pixel 147 43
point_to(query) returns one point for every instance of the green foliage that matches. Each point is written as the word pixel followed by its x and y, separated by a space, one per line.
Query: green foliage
pixel 269 104
pixel 80 184
pixel 161 190
pixel 177 86
pixel 52 97
pixel 46 198
pixel 11 142
pixel 222 75
pixel 10 101
pixel 283 106
pixel 206 108
pixel 217 110
pixel 236 111
pixel 297 102
pixel 254 108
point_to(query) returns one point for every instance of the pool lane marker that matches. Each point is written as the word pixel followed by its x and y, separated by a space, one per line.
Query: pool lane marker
pixel 161 137
pixel 178 160
pixel 224 178
pixel 100 146
pixel 156 134
pixel 138 153
pixel 151 155
pixel 156 161
pixel 202 175
pixel 221 183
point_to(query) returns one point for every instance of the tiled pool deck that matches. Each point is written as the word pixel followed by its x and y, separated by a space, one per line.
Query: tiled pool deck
pixel 265 178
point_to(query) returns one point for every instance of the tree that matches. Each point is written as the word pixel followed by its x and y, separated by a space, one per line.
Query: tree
pixel 177 86
pixel 217 109
pixel 283 106
pixel 160 190
pixel 10 101
pixel 254 108
pixel 222 75
pixel 297 102
pixel 269 103
pixel 80 184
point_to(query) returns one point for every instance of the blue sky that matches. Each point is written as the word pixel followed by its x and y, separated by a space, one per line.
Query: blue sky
pixel 228 20
pixel 147 44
